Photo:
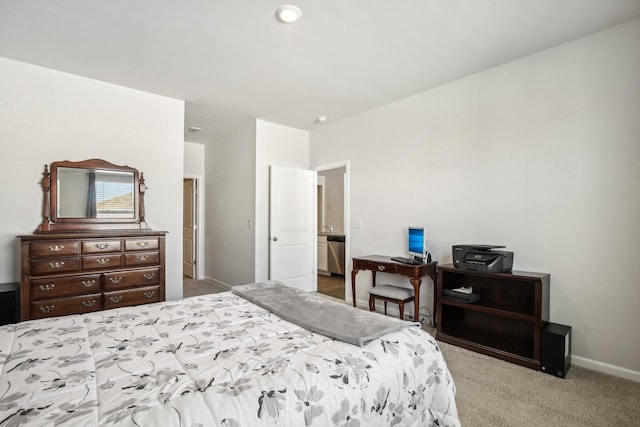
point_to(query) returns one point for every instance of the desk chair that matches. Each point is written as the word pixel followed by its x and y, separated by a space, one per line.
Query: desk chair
pixel 390 293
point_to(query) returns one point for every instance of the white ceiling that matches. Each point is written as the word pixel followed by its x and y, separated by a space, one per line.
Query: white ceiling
pixel 232 61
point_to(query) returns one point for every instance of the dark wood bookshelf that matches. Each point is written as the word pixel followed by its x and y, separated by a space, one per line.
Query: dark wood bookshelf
pixel 505 323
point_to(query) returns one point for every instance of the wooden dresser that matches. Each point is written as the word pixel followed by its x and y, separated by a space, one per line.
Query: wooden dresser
pixel 80 272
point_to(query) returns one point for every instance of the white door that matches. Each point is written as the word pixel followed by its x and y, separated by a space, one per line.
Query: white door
pixel 292 228
pixel 189 228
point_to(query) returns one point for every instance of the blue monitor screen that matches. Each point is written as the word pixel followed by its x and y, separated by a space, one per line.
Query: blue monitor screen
pixel 416 241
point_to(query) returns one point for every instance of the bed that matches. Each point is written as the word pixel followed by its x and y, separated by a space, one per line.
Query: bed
pixel 217 360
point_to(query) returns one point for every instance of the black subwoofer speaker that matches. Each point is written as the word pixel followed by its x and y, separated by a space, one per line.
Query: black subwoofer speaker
pixel 555 349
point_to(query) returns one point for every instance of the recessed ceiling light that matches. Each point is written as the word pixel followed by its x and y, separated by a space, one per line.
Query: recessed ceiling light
pixel 321 119
pixel 194 129
pixel 288 13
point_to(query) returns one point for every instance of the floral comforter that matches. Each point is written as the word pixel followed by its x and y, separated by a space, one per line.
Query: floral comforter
pixel 215 360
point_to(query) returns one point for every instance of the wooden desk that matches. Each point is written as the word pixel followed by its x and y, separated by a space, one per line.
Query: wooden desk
pixel 384 264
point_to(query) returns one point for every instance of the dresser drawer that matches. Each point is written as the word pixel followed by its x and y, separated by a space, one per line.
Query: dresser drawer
pixel 130 279
pixel 64 306
pixel 141 244
pixel 132 297
pixel 54 266
pixel 100 262
pixel 54 248
pixel 64 286
pixel 101 246
pixel 142 258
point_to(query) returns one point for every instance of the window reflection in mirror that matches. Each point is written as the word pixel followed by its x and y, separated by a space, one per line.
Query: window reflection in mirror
pixel 88 193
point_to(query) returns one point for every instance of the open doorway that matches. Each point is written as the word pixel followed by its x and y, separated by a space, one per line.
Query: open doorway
pixel 192 228
pixel 333 229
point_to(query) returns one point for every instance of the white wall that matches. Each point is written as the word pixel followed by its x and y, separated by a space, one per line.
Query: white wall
pixel 230 203
pixel 540 154
pixel 49 116
pixel 281 146
pixel 194 159
pixel 334 200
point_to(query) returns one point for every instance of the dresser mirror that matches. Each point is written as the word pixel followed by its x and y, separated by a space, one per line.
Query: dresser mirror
pixel 92 195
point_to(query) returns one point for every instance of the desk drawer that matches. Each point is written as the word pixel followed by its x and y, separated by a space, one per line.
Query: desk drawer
pixel 64 286
pixel 64 306
pixel 382 268
pixel 100 262
pixel 132 297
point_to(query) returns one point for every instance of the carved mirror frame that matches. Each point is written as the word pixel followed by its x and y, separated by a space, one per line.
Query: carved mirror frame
pixel 52 221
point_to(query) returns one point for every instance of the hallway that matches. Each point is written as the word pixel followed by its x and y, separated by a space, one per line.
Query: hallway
pixel 331 285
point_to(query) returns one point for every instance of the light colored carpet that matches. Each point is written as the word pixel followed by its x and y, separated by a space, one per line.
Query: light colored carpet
pixel 193 287
pixel 491 392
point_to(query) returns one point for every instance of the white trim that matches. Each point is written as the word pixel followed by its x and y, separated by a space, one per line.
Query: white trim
pixel 200 256
pixel 314 244
pixel 605 368
pixel 218 282
pixel 347 223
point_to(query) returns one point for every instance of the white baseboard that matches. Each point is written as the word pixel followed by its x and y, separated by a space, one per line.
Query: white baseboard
pixel 217 282
pixel 605 368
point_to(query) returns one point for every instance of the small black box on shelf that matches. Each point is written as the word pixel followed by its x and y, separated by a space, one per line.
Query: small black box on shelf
pixel 9 303
pixel 555 349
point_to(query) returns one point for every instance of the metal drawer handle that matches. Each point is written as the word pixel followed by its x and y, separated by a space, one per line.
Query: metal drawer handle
pixel 102 261
pixel 142 243
pixel 88 283
pixel 102 245
pixel 56 248
pixel 381 267
pixel 47 308
pixel 149 294
pixel 89 303
pixel 116 279
pixel 143 257
pixel 56 264
pixel 116 300
pixel 149 276
pixel 47 288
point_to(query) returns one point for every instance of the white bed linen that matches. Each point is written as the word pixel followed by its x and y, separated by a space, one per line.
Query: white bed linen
pixel 215 360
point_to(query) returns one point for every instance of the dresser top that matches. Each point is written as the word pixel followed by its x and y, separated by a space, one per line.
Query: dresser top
pixel 90 234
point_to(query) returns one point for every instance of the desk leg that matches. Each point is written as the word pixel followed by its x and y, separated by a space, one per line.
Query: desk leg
pixel 416 299
pixel 353 285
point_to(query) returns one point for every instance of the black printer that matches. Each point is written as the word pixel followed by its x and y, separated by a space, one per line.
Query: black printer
pixel 482 258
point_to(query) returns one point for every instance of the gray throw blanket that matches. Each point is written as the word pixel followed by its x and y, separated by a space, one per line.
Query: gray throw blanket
pixel 320 315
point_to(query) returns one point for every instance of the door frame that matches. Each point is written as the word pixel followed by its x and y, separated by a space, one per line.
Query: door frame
pixel 347 221
pixel 199 223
